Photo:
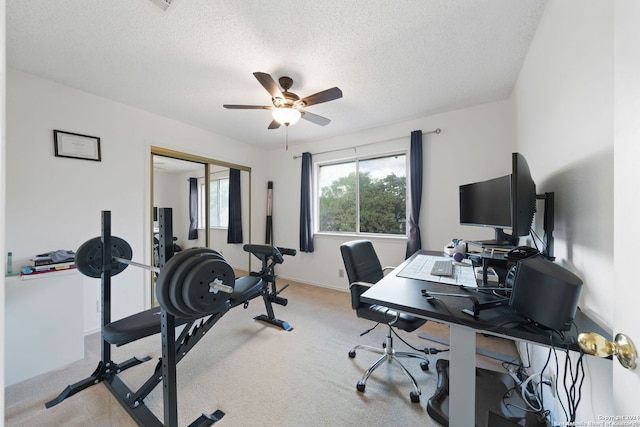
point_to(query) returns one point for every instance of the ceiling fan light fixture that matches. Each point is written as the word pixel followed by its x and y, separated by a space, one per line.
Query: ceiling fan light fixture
pixel 286 115
pixel 288 107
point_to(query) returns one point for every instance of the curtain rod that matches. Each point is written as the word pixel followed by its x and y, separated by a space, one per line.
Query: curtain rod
pixel 438 130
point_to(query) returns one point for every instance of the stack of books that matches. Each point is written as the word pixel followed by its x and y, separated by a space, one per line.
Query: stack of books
pixel 50 262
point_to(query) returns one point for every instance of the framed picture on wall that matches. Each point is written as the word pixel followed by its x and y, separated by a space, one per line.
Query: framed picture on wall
pixel 76 146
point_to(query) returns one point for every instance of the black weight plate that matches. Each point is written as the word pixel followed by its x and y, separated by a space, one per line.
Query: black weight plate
pixel 85 258
pixel 196 291
pixel 163 280
pixel 207 299
pixel 88 257
pixel 177 280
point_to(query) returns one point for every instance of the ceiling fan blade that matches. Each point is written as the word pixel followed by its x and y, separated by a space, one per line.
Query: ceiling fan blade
pixel 314 118
pixel 249 107
pixel 324 96
pixel 269 84
pixel 273 125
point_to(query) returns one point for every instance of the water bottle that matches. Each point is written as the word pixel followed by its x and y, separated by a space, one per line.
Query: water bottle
pixel 9 264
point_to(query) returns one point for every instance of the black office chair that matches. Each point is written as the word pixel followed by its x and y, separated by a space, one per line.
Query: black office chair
pixel 363 270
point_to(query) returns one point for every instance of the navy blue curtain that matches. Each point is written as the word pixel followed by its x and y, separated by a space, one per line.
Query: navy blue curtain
pixel 234 230
pixel 306 211
pixel 414 241
pixel 193 208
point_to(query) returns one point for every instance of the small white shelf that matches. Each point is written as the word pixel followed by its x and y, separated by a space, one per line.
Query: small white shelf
pixel 43 323
pixel 49 274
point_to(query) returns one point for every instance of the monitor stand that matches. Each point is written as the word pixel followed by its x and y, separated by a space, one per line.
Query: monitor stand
pixel 502 240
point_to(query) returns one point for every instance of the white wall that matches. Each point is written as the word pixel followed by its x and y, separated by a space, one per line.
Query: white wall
pixel 55 203
pixel 564 104
pixel 475 144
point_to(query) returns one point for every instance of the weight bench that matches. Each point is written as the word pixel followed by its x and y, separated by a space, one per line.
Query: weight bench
pixel 195 289
pixel 147 323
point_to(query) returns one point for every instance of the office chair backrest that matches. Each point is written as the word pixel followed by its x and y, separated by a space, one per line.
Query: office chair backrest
pixel 361 261
pixel 362 265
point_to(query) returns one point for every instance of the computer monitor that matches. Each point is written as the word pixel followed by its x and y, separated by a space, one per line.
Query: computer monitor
pixel 486 203
pixel 504 203
pixel 523 196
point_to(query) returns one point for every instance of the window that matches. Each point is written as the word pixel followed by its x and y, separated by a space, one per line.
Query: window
pixel 218 203
pixel 367 195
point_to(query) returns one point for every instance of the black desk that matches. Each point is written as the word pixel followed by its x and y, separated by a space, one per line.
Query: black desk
pixel 406 295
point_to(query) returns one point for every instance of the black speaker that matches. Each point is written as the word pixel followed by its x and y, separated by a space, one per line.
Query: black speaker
pixel 545 293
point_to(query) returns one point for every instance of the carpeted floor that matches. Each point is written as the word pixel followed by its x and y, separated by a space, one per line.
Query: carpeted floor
pixel 257 374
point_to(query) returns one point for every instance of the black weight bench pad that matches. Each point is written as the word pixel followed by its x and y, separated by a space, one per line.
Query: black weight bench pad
pixel 493 409
pixel 246 288
pixel 134 327
pixel 147 322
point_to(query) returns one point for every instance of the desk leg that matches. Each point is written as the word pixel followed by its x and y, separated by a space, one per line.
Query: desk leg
pixel 462 376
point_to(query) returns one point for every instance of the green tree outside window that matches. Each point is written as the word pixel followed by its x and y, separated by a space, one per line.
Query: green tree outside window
pixel 377 204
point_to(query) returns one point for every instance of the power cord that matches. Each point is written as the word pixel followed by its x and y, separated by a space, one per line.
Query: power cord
pixel 369 330
pixel 570 391
pixel 574 392
pixel 526 387
pixel 529 392
pixel 430 350
pixel 572 381
pixel 513 366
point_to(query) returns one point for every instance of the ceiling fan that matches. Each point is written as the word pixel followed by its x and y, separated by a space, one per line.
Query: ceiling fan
pixel 288 107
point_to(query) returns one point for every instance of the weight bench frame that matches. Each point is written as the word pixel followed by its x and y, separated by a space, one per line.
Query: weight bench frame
pixel 173 348
pixel 270 256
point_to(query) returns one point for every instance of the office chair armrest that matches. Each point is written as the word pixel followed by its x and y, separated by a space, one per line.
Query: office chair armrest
pixel 357 289
pixel 365 285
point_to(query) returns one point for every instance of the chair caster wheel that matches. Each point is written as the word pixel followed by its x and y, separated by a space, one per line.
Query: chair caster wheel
pixel 415 397
pixel 424 366
pixel 360 386
pixel 352 354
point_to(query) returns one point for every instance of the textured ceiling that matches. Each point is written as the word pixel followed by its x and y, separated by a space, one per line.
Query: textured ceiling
pixel 393 60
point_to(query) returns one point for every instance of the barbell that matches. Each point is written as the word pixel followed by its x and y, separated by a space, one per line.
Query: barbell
pixel 193 283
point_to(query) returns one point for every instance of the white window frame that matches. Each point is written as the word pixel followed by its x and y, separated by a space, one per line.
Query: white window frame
pixel 357 160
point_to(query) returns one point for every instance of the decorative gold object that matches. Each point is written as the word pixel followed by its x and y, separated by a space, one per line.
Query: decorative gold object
pixel 622 347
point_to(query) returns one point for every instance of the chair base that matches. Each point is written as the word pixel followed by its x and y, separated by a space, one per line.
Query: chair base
pixel 390 355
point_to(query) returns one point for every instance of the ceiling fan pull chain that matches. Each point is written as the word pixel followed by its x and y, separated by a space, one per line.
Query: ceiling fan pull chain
pixel 286 138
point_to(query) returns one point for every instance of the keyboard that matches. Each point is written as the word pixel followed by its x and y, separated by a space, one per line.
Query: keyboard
pixel 442 268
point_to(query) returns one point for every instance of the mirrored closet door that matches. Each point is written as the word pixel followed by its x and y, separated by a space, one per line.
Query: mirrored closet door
pixel 213 212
